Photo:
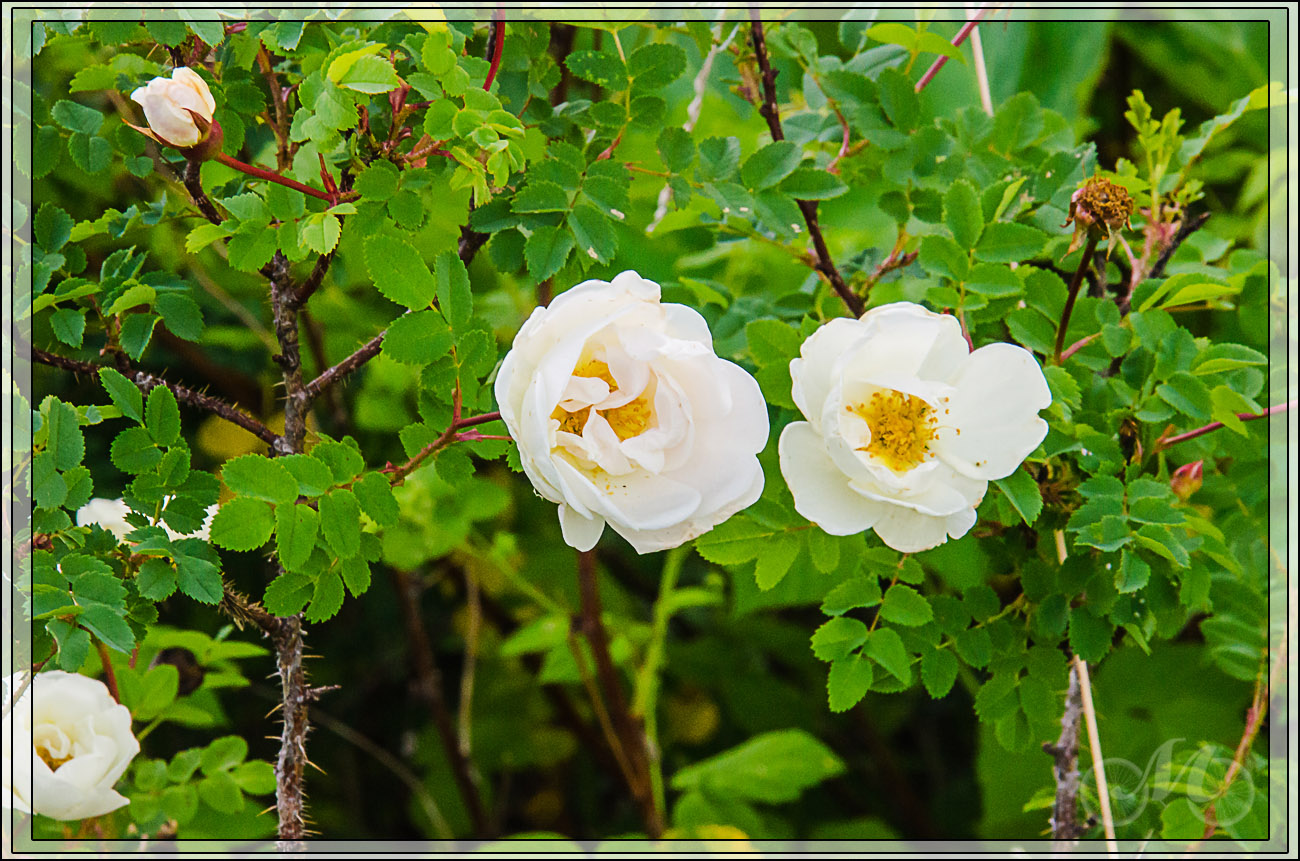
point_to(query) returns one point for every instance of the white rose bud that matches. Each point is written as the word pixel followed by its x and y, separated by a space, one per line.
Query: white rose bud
pixel 111 515
pixel 624 415
pixel 66 742
pixel 179 110
pixel 905 425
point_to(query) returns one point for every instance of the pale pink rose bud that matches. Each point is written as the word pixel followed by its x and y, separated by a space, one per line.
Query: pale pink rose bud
pixel 179 111
pixel 1186 480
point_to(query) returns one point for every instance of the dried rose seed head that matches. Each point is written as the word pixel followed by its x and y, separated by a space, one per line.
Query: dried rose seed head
pixel 1099 206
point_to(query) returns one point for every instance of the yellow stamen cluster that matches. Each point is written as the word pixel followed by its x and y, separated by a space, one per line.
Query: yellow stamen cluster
pixel 627 421
pixel 50 759
pixel 902 427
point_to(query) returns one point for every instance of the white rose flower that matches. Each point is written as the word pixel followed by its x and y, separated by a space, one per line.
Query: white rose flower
pixel 905 425
pixel 168 103
pixel 111 515
pixel 624 415
pixel 66 742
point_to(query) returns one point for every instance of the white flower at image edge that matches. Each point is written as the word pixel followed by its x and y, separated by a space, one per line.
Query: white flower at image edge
pixel 111 514
pixel 167 103
pixel 624 415
pixel 66 742
pixel 906 426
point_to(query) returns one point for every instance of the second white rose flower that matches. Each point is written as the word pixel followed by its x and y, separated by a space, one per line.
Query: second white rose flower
pixel 178 109
pixel 906 426
pixel 624 415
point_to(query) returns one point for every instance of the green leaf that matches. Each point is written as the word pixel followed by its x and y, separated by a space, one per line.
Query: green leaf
pixel 220 792
pixel 223 754
pixel 676 148
pixel 546 251
pixel 134 451
pixel 399 272
pixel 939 255
pixel 1005 242
pixel 320 232
pixel 156 691
pixel 378 181
pixel 344 461
pixel 288 593
pixel 592 233
pixel 340 520
pixel 938 672
pixel 261 478
pixel 156 579
pixel 108 626
pixel 770 164
pixel 962 214
pixel 51 228
pixel 1089 635
pixel 255 777
pixel 368 74
pixel 91 154
pixel 903 605
pixel 655 65
pixel 886 648
pixel 124 394
pixel 540 196
pixel 808 183
pixel 1023 493
pixel 356 575
pixel 602 69
pixel 974 646
pixel 327 597
pixel 857 592
pixel 242 524
pixel 418 338
pixel 838 637
pixel 775 561
pixel 848 682
pixel 898 98
pixel 77 118
pixel 1187 394
pixel 375 495
pixel 719 158
pixel 454 297
pixel 773 768
pixel 1133 573
pixel 311 473
pixel 64 441
pixel 162 417
pixel 295 534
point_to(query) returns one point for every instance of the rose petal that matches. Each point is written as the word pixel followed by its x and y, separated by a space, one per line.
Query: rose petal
pixel 993 424
pixel 811 374
pixel 580 533
pixel 821 491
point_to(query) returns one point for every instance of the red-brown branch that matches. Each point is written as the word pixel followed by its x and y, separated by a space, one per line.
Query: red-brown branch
pixel 1167 441
pixel 272 176
pixel 965 31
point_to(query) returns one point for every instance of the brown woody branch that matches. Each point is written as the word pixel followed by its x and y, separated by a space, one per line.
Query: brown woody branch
pixel 1065 753
pixel 147 382
pixel 824 265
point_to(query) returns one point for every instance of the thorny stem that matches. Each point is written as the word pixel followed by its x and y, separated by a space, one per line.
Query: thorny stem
pixel 808 208
pixel 281 125
pixel 1089 248
pixel 453 433
pixel 630 733
pixel 146 381
pixel 965 31
pixel 194 185
pixel 1065 755
pixel 1166 441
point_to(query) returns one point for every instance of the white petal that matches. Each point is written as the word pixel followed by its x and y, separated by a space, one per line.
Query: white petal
pixel 910 531
pixel 992 423
pixel 812 373
pixel 580 533
pixel 649 541
pixel 187 79
pixel 911 341
pixel 821 492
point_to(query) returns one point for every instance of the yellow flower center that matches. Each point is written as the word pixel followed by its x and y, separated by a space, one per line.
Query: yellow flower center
pixel 627 421
pixel 51 760
pixel 901 425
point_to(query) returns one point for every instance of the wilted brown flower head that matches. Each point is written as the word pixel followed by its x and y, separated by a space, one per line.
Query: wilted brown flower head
pixel 1099 206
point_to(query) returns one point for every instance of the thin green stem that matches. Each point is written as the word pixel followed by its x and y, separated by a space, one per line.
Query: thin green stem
pixel 646 697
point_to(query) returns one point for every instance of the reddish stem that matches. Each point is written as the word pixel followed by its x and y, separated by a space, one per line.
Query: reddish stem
pixel 1078 345
pixel 272 176
pixel 497 49
pixel 957 40
pixel 1166 441
pixel 110 678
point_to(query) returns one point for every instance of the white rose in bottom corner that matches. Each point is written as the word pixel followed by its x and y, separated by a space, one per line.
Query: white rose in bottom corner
pixel 66 742
pixel 624 415
pixel 906 426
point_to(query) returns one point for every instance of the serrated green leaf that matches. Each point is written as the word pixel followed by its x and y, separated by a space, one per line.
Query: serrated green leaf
pixel 260 477
pixel 375 495
pixel 774 768
pixel 326 598
pixel 546 251
pixel 1024 494
pixel 162 416
pixel 903 605
pixel 886 648
pixel 848 682
pixel 340 521
pixel 418 338
pixel 938 672
pixel 770 164
pixel 134 451
pixel 242 523
pixel 962 214
pixel 399 272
